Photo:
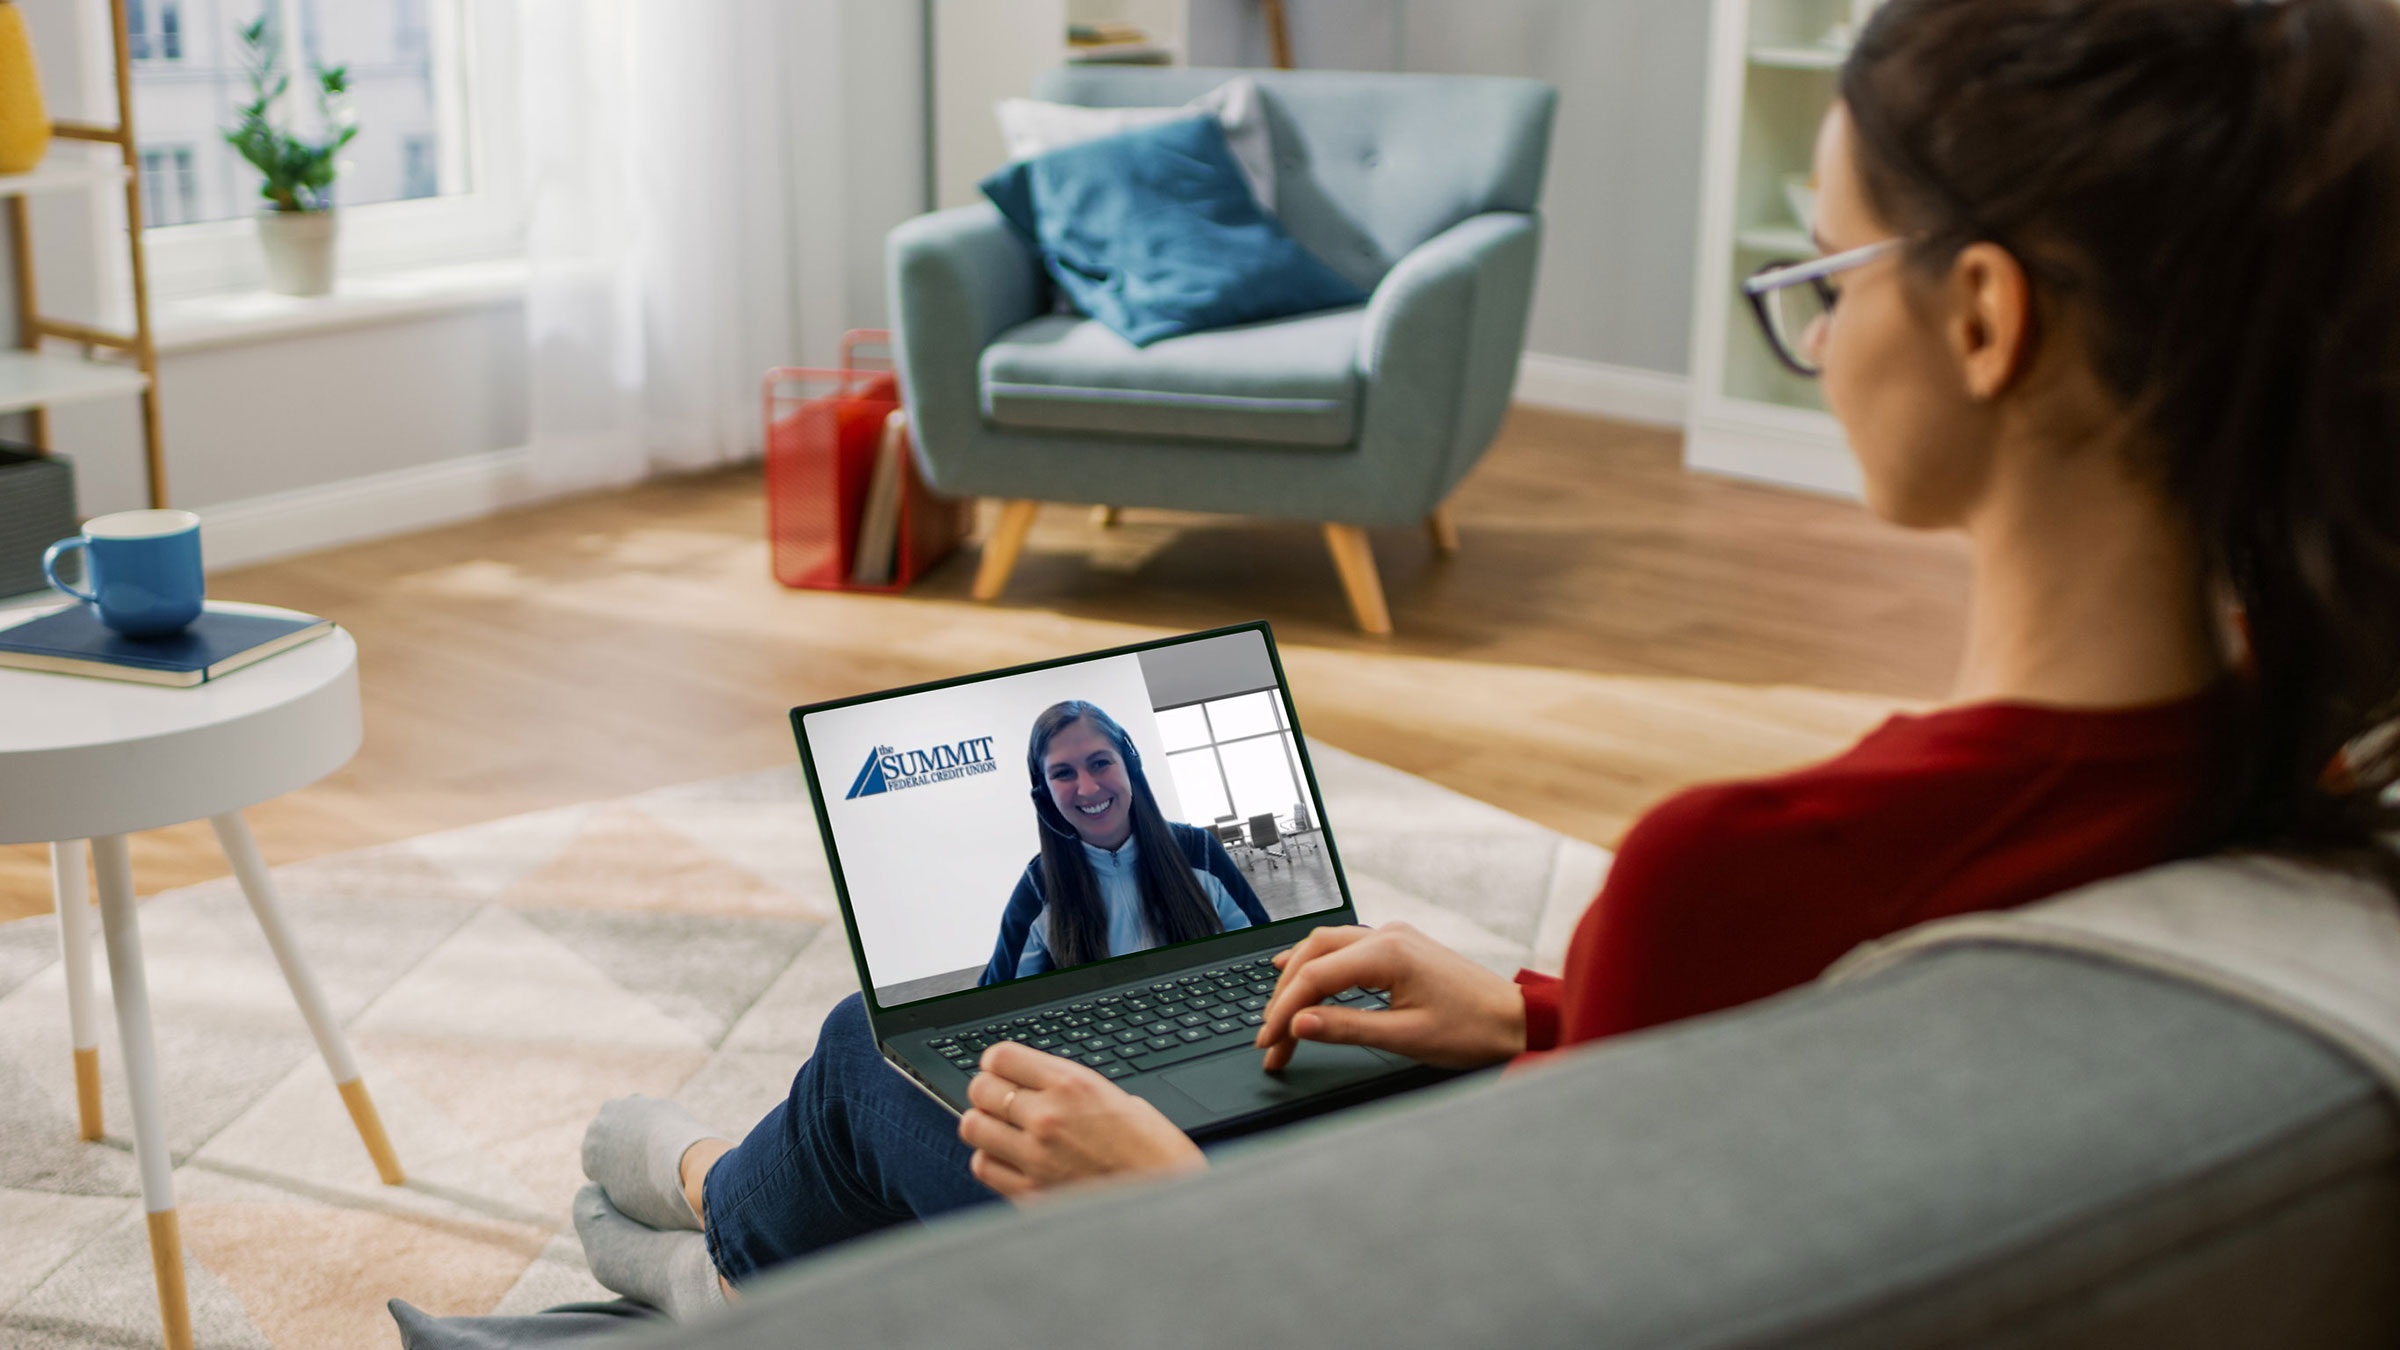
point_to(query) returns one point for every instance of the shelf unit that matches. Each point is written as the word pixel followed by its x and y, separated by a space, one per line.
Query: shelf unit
pixel 1772 71
pixel 111 364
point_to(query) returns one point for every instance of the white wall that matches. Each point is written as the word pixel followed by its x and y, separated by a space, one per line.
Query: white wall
pixel 258 418
pixel 1622 200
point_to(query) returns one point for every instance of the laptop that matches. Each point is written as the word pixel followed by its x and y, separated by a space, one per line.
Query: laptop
pixel 944 849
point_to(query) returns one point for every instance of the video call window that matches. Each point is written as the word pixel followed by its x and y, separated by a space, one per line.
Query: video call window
pixel 1173 808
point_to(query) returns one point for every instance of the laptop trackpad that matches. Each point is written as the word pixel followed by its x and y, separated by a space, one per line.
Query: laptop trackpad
pixel 1231 1083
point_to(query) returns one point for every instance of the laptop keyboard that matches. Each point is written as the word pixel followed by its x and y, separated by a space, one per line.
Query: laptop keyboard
pixel 1133 1031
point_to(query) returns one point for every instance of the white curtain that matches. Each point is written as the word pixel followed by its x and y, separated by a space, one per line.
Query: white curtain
pixel 687 229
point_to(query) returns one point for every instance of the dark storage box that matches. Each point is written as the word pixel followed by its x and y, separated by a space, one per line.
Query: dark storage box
pixel 37 509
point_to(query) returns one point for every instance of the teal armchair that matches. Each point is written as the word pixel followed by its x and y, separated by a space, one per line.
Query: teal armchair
pixel 1421 189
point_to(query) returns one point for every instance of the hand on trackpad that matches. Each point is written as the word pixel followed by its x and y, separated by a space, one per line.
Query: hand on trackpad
pixel 1236 1082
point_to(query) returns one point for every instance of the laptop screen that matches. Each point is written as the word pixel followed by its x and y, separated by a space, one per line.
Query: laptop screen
pixel 1012 825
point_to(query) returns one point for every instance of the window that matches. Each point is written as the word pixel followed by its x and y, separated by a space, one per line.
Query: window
pixel 393 92
pixel 154 30
pixel 170 188
pixel 1233 757
pixel 422 182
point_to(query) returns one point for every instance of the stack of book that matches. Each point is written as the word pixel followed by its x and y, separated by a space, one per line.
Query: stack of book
pixel 877 558
pixel 73 641
pixel 1121 44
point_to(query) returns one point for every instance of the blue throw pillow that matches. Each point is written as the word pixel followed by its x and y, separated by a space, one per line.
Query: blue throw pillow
pixel 1155 233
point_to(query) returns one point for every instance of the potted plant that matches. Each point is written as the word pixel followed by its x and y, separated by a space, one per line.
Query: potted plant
pixel 296 227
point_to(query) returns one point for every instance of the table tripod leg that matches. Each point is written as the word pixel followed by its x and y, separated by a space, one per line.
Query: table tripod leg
pixel 121 930
pixel 233 835
pixel 71 886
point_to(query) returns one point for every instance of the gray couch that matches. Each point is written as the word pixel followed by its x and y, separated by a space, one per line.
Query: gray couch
pixel 1420 189
pixel 1996 1145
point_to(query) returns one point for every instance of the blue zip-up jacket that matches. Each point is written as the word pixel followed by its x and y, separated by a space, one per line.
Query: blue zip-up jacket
pixel 1200 849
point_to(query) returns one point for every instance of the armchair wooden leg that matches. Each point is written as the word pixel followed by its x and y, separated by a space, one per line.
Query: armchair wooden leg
pixel 1107 517
pixel 1443 531
pixel 1000 551
pixel 1354 558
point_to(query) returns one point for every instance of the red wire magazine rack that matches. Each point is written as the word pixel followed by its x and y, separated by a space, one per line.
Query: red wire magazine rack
pixel 825 429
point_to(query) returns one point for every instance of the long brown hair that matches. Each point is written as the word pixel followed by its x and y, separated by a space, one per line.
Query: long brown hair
pixel 1172 901
pixel 2210 189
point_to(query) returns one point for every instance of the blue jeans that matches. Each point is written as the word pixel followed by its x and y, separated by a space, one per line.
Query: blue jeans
pixel 855 1148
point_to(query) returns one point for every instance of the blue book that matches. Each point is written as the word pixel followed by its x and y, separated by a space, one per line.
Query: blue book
pixel 73 641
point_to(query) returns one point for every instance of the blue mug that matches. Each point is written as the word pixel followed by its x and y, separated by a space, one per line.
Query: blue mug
pixel 142 568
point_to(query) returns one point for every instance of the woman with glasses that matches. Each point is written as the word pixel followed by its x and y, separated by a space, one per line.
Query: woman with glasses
pixel 2112 287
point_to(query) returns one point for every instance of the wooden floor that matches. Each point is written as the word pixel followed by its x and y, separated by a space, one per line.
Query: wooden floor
pixel 1614 628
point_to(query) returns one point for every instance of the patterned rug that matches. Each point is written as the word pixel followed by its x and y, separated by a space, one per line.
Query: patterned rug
pixel 499 982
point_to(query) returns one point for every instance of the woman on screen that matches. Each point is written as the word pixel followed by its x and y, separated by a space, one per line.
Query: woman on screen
pixel 1114 876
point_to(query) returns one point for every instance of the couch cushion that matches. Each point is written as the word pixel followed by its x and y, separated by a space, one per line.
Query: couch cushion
pixel 1282 382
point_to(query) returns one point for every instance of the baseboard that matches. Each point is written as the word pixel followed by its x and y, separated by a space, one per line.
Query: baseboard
pixel 1774 455
pixel 1626 393
pixel 304 520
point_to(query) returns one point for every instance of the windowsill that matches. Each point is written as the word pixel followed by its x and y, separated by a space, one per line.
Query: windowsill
pixel 231 318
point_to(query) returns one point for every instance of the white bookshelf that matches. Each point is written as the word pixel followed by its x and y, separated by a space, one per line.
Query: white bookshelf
pixel 1772 70
pixel 38 379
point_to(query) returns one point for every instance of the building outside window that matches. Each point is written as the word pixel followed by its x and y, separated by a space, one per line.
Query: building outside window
pixel 403 90
pixel 170 187
pixel 418 176
pixel 1234 757
pixel 154 30
pixel 411 33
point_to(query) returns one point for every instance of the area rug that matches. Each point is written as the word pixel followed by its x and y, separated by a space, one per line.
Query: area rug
pixel 498 983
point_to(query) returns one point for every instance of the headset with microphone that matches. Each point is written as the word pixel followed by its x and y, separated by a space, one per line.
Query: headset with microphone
pixel 1046 811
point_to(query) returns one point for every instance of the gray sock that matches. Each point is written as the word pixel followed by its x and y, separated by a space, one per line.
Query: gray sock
pixel 634 1148
pixel 665 1270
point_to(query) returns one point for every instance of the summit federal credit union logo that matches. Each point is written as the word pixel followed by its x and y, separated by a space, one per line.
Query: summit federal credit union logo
pixel 889 770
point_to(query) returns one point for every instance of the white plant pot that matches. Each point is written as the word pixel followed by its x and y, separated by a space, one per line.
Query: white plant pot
pixel 299 249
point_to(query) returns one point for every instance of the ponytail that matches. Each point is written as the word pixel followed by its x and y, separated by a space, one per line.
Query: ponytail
pixel 2211 188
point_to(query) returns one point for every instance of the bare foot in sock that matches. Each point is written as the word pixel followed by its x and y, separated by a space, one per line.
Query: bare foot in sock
pixel 634 1148
pixel 667 1270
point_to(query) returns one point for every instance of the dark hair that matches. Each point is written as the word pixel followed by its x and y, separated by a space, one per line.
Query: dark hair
pixel 1172 901
pixel 2210 191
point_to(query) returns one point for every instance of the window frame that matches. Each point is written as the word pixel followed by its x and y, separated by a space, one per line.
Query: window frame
pixel 474 43
pixel 1281 731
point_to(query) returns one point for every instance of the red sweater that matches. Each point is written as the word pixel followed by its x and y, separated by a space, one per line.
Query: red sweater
pixel 1732 892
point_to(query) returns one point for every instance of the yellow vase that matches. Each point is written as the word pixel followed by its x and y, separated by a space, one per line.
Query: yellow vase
pixel 24 126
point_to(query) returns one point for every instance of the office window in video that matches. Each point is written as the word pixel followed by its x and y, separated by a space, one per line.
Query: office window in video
pixel 1236 769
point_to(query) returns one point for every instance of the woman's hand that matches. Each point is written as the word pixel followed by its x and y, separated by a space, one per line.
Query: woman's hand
pixel 1445 1009
pixel 1041 1121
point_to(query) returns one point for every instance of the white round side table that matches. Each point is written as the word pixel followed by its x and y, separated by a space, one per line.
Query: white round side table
pixel 97 759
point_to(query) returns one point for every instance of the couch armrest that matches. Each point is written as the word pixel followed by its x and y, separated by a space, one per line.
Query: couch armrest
pixel 1443 333
pixel 958 279
pixel 1981 1144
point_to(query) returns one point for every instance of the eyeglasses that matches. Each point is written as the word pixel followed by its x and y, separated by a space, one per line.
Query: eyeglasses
pixel 1793 299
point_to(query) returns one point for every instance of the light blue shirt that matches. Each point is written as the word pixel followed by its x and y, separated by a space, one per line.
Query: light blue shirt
pixel 1120 878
